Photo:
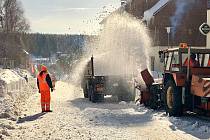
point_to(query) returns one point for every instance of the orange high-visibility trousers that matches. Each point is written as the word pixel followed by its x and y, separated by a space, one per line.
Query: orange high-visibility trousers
pixel 45 100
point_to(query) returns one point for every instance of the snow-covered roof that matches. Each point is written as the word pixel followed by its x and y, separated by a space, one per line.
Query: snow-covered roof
pixel 119 10
pixel 155 9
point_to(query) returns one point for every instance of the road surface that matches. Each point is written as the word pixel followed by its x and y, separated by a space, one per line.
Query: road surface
pixel 76 118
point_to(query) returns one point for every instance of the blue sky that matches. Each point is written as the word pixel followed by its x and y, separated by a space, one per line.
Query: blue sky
pixel 67 16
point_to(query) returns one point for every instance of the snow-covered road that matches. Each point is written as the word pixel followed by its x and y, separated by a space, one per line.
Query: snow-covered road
pixel 76 118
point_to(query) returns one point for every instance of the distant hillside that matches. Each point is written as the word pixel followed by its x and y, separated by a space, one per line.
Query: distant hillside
pixel 46 44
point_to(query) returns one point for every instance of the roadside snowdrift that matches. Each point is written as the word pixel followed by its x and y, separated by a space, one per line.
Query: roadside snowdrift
pixel 13 91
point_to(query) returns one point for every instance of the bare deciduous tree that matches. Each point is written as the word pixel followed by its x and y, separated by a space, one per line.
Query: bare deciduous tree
pixel 1 13
pixel 13 16
pixel 12 24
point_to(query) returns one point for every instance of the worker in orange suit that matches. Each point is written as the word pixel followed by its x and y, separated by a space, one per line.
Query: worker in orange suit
pixel 44 84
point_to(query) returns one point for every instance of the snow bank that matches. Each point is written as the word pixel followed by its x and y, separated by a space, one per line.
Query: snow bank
pixel 191 125
pixel 9 76
pixel 23 72
pixel 186 124
pixel 14 90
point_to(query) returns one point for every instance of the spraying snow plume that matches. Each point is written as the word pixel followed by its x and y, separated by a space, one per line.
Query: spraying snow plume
pixel 120 49
pixel 123 45
pixel 182 7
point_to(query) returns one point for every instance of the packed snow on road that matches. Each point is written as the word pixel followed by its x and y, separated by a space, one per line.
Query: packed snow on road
pixel 76 118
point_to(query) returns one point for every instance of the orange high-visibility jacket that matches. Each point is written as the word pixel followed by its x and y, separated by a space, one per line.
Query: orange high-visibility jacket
pixel 43 85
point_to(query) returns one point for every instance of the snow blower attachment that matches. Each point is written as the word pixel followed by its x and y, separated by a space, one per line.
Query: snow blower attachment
pixel 185 86
pixel 151 95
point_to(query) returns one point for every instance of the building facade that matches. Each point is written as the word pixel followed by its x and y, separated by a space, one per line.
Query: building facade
pixel 193 14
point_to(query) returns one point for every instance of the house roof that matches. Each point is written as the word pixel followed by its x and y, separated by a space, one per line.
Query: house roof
pixel 120 10
pixel 148 14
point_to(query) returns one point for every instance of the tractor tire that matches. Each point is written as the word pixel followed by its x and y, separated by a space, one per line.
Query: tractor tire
pixel 85 95
pixel 85 92
pixel 100 97
pixel 92 95
pixel 173 99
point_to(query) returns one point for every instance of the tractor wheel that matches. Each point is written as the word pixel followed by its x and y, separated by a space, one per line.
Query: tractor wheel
pixel 100 97
pixel 85 92
pixel 85 95
pixel 173 99
pixel 92 95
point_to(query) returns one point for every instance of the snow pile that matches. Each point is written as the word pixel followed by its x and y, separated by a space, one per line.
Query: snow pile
pixel 13 92
pixel 5 127
pixel 122 103
pixel 9 76
pixel 192 125
pixel 187 124
pixel 157 7
pixel 23 72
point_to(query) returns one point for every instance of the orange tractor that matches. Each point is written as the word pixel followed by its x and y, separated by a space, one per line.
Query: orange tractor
pixel 186 82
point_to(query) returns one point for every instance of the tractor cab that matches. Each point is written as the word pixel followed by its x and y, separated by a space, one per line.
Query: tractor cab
pixel 178 59
pixel 181 63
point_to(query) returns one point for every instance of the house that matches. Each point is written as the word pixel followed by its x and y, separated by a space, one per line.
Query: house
pixel 184 18
pixel 159 14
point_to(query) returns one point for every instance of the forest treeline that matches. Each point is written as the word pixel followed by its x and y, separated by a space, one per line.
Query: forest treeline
pixel 15 39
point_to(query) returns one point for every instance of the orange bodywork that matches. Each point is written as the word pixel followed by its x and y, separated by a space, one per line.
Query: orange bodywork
pixel 205 106
pixel 147 77
pixel 200 82
pixel 200 86
pixel 145 96
pixel 180 78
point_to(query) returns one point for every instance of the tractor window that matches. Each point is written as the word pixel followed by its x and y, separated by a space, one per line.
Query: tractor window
pixel 184 58
pixel 175 62
pixel 207 60
pixel 197 61
pixel 168 62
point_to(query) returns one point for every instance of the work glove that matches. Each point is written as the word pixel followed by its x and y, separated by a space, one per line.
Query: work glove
pixel 51 89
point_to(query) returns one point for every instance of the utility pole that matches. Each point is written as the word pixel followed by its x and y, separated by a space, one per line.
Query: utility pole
pixel 168 29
